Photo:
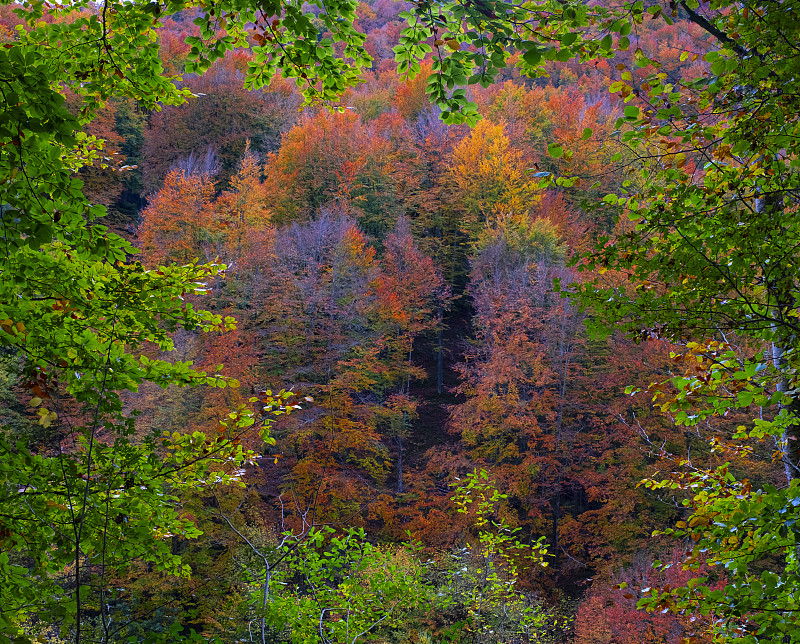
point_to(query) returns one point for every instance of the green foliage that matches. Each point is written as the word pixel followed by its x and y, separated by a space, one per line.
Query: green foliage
pixel 14 416
pixel 350 587
pixel 129 124
pixel 707 248
pixel 100 510
pixel 750 536
pixel 487 572
pixel 745 531
pixel 80 316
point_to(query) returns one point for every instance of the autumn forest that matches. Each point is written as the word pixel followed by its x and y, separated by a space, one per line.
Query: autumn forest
pixel 385 376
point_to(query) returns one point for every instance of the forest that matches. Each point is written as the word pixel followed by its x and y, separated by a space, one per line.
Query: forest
pixel 402 322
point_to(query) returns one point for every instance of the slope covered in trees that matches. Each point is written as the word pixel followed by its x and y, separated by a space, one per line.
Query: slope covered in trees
pixel 527 355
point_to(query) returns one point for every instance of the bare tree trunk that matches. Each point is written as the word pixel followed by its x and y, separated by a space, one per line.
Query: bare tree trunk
pixel 399 441
pixel 439 352
pixel 790 439
pixel 555 504
pixel 781 300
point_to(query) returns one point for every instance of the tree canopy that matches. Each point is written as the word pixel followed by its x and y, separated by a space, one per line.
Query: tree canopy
pixel 708 250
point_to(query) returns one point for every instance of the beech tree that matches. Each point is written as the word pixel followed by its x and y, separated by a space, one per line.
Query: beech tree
pixel 409 290
pixel 319 331
pixel 78 313
pixel 489 178
pixel 223 117
pixel 240 211
pixel 318 166
pixel 710 252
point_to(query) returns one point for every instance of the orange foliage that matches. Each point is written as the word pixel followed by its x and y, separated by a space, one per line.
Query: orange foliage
pixel 488 176
pixel 410 98
pixel 240 211
pixel 317 164
pixel 176 223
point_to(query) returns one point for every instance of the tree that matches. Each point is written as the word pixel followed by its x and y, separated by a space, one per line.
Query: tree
pixel 319 332
pixel 710 254
pixel 409 289
pixel 609 615
pixel 489 178
pixel 78 313
pixel 489 583
pixel 240 211
pixel 336 160
pixel 351 587
pixel 520 371
pixel 177 224
pixel 222 116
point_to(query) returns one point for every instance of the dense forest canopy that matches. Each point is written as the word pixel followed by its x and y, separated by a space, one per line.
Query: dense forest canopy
pixel 399 322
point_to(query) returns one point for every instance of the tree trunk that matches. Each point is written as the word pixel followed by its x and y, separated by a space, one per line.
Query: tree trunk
pixel 555 504
pixel 790 439
pixel 399 441
pixel 782 301
pixel 439 358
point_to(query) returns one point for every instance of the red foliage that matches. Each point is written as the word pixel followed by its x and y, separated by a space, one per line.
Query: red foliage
pixel 609 615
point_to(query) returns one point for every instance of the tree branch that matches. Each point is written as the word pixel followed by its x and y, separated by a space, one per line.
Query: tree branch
pixel 715 31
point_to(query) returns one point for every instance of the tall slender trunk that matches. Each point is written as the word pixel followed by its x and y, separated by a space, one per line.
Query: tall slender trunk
pixel 790 439
pixel 563 364
pixel 782 301
pixel 555 504
pixel 399 441
pixel 408 373
pixel 439 352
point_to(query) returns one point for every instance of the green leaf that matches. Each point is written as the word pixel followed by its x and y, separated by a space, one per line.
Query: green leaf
pixel 532 56
pixel 569 38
